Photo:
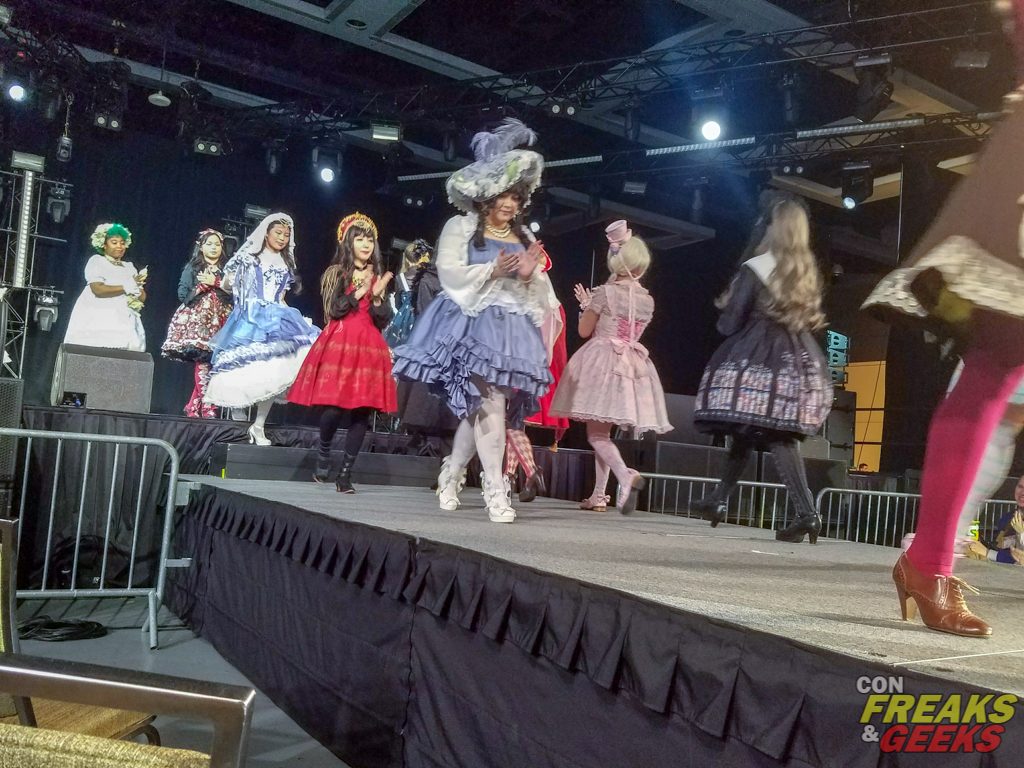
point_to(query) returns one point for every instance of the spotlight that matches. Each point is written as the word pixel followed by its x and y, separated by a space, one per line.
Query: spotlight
pixel 112 120
pixel 209 146
pixel 534 226
pixel 64 149
pixel 563 108
pixel 858 183
pixel 275 157
pixel 791 169
pixel 874 93
pixel 46 310
pixel 708 112
pixel 111 98
pixel 327 164
pixel 711 130
pixel 448 147
pixel 631 124
pixel 385 132
pixel 58 202
pixel 16 91
pixel 971 58
pixel 414 201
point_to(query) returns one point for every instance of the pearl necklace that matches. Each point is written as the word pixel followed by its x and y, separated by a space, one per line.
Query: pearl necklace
pixel 502 233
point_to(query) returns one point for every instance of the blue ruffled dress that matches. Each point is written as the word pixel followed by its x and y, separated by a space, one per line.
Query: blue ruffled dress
pixel 258 352
pixel 501 345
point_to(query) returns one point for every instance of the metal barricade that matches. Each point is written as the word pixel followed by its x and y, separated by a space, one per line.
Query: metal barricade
pixel 871 517
pixel 885 517
pixel 762 505
pixel 120 523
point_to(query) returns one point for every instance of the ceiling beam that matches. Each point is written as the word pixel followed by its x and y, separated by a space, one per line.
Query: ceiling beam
pixel 686 232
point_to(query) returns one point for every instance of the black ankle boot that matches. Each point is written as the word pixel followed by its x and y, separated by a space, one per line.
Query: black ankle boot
pixel 344 481
pixel 712 510
pixel 323 463
pixel 794 532
pixel 533 487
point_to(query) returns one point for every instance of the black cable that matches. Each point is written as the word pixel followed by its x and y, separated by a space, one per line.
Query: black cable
pixel 53 631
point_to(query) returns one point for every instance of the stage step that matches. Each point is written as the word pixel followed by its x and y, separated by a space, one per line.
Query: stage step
pixel 272 462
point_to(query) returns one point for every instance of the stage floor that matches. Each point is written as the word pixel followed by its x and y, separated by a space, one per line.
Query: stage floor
pixel 835 595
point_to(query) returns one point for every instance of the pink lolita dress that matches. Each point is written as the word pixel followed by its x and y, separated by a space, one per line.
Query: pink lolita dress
pixel 611 378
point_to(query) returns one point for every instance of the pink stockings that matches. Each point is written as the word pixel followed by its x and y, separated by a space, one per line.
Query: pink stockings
pixel 959 433
pixel 606 457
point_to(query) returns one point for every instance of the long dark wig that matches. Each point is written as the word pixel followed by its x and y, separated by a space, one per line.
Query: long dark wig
pixel 487 206
pixel 338 275
pixel 198 262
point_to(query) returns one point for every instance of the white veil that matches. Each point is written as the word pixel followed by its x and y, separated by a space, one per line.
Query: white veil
pixel 253 244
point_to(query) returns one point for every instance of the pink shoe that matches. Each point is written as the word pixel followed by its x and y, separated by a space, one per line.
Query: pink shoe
pixel 628 495
pixel 595 503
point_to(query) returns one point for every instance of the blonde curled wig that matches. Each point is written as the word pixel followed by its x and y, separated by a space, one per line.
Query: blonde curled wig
pixel 795 284
pixel 632 259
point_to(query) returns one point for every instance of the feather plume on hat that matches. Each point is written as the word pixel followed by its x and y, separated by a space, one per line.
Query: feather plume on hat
pixel 499 164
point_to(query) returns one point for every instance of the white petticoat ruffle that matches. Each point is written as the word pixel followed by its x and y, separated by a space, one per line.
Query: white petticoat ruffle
pixel 256 381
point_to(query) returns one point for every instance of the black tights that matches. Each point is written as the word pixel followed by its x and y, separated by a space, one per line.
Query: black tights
pixel 787 458
pixel 354 420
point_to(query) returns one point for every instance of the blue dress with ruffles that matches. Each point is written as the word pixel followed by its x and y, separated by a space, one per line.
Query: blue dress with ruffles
pixel 500 345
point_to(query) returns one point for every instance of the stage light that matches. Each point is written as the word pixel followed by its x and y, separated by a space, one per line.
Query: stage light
pixel 711 130
pixel 112 119
pixel 414 201
pixel 874 93
pixel 275 157
pixel 209 146
pixel 534 226
pixel 255 213
pixel 64 147
pixel 708 110
pixel 631 124
pixel 971 58
pixel 858 183
pixel 448 148
pixel 634 187
pixel 46 310
pixel 16 91
pixel 385 132
pixel 327 163
pixel 58 202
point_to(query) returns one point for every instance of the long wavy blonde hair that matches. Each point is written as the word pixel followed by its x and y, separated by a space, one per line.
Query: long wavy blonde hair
pixel 795 285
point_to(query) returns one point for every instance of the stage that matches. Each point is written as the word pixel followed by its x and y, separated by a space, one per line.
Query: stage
pixel 569 637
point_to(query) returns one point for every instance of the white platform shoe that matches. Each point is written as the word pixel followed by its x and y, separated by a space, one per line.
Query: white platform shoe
pixel 449 485
pixel 498 499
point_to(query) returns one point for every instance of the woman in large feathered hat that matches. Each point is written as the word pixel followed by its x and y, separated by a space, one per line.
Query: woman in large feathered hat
pixel 481 344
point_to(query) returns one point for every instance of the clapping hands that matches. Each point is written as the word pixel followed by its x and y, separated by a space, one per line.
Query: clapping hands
pixel 380 286
pixel 583 296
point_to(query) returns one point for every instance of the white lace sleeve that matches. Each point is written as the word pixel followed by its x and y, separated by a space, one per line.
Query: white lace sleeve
pixel 468 285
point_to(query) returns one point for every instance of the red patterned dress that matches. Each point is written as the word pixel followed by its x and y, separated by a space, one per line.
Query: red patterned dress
pixel 349 365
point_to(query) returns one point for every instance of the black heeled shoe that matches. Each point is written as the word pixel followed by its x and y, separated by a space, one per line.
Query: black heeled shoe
pixel 794 532
pixel 713 511
pixel 533 487
pixel 344 481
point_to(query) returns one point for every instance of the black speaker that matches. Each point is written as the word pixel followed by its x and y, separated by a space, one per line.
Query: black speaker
pixel 107 379
pixel 695 461
pixel 680 416
pixel 839 427
pixel 10 416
